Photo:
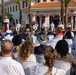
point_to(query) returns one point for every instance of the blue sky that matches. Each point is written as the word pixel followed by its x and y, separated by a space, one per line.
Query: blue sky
pixel 4 0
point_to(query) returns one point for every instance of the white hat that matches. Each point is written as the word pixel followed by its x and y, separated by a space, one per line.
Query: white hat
pixel 8 37
pixel 43 39
pixel 8 31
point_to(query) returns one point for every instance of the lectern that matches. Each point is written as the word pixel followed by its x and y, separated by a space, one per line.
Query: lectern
pixel 5 26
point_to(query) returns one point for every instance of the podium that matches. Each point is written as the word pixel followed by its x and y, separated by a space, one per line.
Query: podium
pixel 5 26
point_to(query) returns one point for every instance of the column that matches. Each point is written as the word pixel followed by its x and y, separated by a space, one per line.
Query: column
pixel 40 23
pixel 75 21
pixel 47 0
pixel 47 21
pixel 41 1
pixel 60 18
pixel 72 21
pixel 27 19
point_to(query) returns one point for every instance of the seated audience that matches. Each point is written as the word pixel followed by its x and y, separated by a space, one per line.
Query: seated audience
pixel 17 41
pixel 68 37
pixel 8 35
pixel 39 50
pixel 30 38
pixel 74 48
pixel 24 33
pixel 64 59
pixel 27 57
pixel 47 68
pixel 69 28
pixel 8 66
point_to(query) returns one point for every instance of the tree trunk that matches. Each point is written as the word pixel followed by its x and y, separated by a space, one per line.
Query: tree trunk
pixel 62 11
pixel 20 13
pixel 30 16
pixel 3 11
pixel 66 14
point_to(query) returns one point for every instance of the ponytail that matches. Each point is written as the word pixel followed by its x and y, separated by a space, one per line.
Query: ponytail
pixel 50 56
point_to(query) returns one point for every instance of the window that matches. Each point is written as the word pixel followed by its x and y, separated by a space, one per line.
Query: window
pixel 16 7
pixel 23 3
pixel 10 9
pixel 26 4
pixel 13 8
pixel 5 10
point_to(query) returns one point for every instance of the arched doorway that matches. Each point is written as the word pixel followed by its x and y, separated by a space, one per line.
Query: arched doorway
pixel 38 21
pixel 55 19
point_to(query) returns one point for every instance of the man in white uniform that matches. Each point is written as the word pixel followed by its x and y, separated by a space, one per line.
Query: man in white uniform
pixel 35 26
pixel 61 25
pixel 18 27
pixel 6 20
pixel 52 26
pixel 9 66
pixel 44 25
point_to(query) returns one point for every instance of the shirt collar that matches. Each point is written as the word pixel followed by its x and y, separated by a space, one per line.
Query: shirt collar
pixel 5 57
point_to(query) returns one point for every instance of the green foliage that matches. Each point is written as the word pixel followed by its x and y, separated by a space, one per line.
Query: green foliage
pixel 67 1
pixel 8 15
pixel 18 1
pixel 0 18
pixel 29 1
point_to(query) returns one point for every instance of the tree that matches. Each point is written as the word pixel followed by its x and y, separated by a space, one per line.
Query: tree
pixel 3 11
pixel 66 10
pixel 62 11
pixel 8 15
pixel 29 2
pixel 19 4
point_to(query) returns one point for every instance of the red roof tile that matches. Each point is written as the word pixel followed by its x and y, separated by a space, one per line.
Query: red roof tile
pixel 46 4
pixel 50 5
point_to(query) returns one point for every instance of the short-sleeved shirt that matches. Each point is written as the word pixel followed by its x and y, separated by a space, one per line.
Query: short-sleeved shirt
pixel 8 66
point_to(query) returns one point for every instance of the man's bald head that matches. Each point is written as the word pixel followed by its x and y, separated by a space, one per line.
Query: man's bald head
pixel 7 46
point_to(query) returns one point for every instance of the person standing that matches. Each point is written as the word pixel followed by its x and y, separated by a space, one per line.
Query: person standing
pixel 18 25
pixel 52 26
pixel 61 25
pixel 35 26
pixel 9 66
pixel 6 20
pixel 44 25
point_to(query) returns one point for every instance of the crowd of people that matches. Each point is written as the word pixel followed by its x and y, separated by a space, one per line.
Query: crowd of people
pixel 49 52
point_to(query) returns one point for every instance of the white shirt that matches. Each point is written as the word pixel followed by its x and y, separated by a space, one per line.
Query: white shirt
pixel 31 61
pixel 63 65
pixel 6 21
pixel 8 66
pixel 8 37
pixel 35 26
pixel 44 25
pixel 61 25
pixel 52 25
pixel 18 27
pixel 42 70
